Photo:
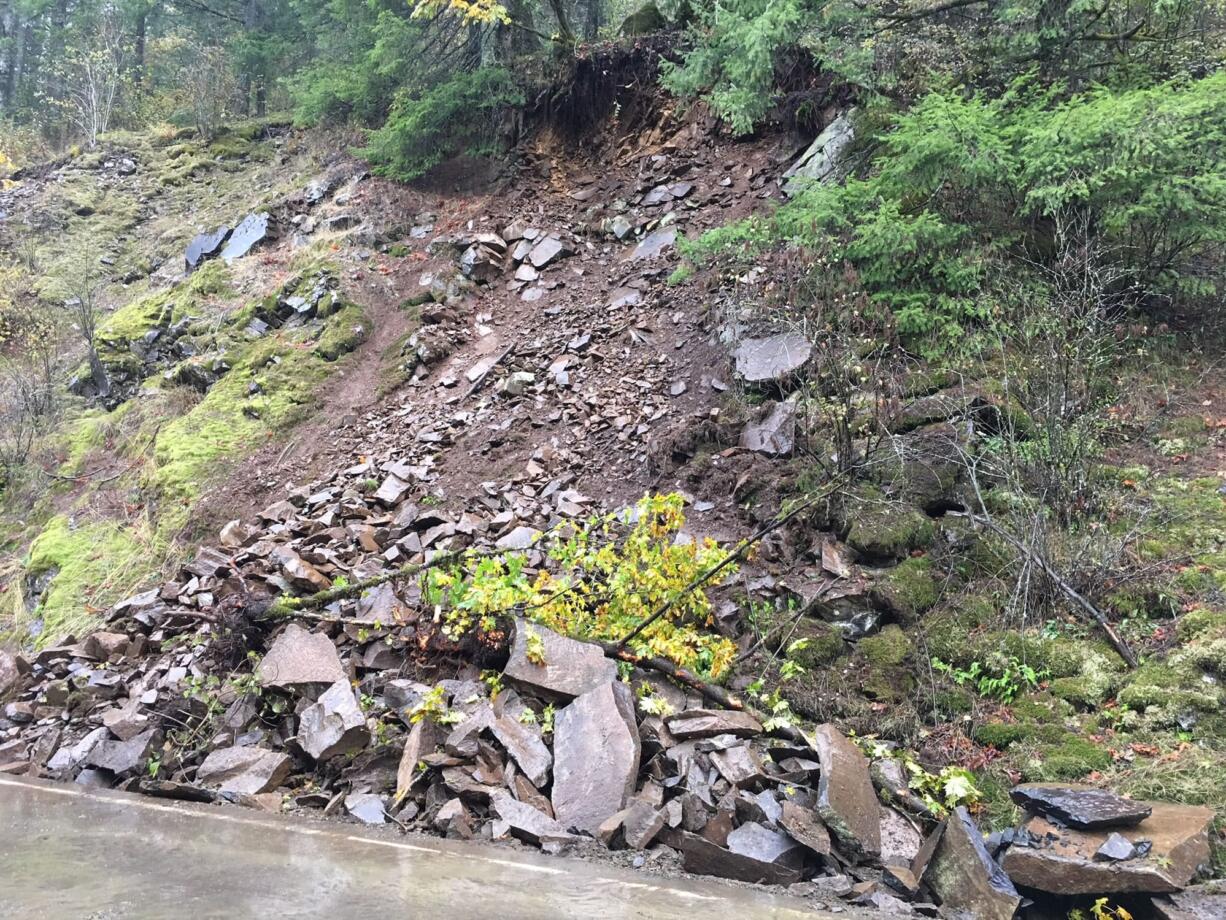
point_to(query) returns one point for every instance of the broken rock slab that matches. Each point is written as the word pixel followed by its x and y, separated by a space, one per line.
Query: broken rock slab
pixel 524 744
pixel 9 673
pixel 702 857
pixel 654 245
pixel 1080 807
pixel 846 799
pixel 204 246
pixel 244 770
pixel 820 162
pixel 250 231
pixel 123 757
pixel 707 723
pixel 366 807
pixel 774 434
pixel 1065 863
pixel 772 360
pixel 964 876
pixel 299 658
pixel 596 753
pixel 523 821
pixel 545 662
pixel 334 724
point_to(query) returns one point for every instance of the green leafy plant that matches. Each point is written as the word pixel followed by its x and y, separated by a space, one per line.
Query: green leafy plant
pixel 602 579
pixel 1003 681
pixel 433 707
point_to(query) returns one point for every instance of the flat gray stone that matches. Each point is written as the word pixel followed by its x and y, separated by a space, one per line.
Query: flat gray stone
pixel 334 724
pixel 707 723
pixel 298 658
pixel 366 807
pixel 123 757
pixel 250 231
pixel 244 770
pixel 523 821
pixel 1081 807
pixel 555 665
pixel 9 675
pixel 548 250
pixel 772 360
pixel 654 244
pixel 820 163
pixel 596 757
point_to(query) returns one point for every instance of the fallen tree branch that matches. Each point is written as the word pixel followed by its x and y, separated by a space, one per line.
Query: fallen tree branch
pixel 1059 581
pixel 738 552
pixel 712 692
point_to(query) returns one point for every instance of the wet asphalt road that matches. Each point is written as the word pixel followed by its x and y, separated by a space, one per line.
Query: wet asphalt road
pixel 71 853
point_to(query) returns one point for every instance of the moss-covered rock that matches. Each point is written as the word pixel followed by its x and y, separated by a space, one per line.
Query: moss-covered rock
pixel 909 589
pixel 880 530
pixel 1071 759
pixel 889 648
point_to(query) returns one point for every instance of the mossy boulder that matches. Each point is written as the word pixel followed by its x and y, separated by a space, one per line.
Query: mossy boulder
pixel 1072 758
pixel 889 648
pixel 909 589
pixel 881 530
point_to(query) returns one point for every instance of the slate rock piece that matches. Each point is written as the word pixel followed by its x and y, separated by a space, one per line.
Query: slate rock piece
pixel 123 757
pixel 804 825
pixel 298 658
pixel 204 246
pixel 702 857
pixel 424 739
pixel 301 574
pixel 366 807
pixel 654 244
pixel 9 675
pixel 596 757
pixel 250 231
pixel 1115 849
pixel 392 491
pixel 67 758
pixel 334 724
pixel 545 662
pixel 820 161
pixel 244 770
pixel 641 824
pixel 846 799
pixel 707 723
pixel 523 821
pixel 1080 807
pixel 548 250
pixel 1179 846
pixel 524 744
pixel 775 433
pixel 772 360
pixel 759 842
pixel 964 876
pixel 1207 902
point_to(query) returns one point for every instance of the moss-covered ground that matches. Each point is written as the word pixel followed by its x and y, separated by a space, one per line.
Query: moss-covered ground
pixel 121 484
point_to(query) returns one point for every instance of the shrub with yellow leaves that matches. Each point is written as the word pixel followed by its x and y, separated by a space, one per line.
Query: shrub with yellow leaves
pixel 600 580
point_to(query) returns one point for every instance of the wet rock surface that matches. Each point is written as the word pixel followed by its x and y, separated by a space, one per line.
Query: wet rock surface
pixel 1084 809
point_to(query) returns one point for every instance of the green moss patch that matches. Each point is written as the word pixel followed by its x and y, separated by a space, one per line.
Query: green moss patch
pixel 92 565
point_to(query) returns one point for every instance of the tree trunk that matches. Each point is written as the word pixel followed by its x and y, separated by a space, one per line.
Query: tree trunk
pixel 566 35
pixel 102 383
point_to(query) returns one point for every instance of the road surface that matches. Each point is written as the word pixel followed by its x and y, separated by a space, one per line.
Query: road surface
pixel 67 853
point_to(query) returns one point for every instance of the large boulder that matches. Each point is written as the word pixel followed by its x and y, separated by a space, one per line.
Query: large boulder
pixel 962 873
pixel 334 724
pixel 300 658
pixel 244 770
pixel 596 757
pixel 846 799
pixel 544 662
pixel 820 162
pixel 1067 861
